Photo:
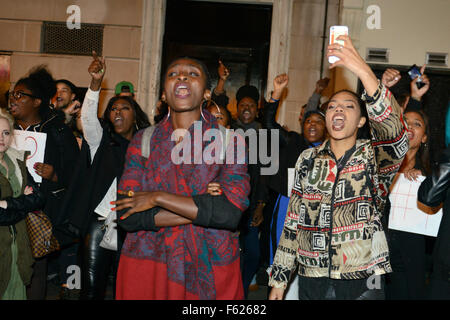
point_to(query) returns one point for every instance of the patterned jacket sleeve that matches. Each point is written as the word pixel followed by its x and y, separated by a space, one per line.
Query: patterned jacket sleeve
pixel 284 262
pixel 390 140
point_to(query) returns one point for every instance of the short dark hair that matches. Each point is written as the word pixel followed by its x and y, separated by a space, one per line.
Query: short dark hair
pixel 199 62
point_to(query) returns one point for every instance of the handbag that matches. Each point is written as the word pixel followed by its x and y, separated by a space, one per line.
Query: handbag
pixel 40 233
pixel 109 240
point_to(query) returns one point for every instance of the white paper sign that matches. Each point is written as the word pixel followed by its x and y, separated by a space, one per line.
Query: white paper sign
pixel 407 214
pixel 33 142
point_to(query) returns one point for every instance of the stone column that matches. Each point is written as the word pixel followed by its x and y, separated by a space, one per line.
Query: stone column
pixel 152 34
pixel 279 45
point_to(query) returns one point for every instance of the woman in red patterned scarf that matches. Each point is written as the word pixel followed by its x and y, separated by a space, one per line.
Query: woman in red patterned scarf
pixel 181 242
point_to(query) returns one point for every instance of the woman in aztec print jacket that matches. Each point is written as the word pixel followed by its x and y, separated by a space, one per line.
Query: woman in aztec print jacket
pixel 333 225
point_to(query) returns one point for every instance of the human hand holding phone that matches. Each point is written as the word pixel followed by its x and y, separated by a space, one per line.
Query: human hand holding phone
pixel 420 82
pixel 335 32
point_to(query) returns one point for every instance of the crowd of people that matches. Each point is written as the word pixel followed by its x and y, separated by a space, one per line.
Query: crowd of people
pixel 214 226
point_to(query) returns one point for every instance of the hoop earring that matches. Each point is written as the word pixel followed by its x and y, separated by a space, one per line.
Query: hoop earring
pixel 201 109
pixel 168 114
pixel 217 106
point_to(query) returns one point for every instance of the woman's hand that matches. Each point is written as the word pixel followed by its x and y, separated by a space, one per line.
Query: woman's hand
pixel 46 171
pixel 258 216
pixel 321 85
pixel 223 71
pixel 137 202
pixel 350 59
pixel 73 108
pixel 279 83
pixel 97 70
pixel 28 190
pixel 412 174
pixel 390 77
pixel 214 189
pixel 417 93
pixel 276 294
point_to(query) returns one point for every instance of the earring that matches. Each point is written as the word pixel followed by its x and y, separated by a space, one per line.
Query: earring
pixel 218 109
pixel 168 113
pixel 201 109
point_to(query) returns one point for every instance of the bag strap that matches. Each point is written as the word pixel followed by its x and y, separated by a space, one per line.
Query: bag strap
pixel 146 141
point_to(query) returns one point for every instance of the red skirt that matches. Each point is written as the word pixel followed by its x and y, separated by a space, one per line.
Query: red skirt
pixel 143 279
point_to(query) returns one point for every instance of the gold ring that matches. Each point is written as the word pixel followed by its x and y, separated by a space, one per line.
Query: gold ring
pixel 130 193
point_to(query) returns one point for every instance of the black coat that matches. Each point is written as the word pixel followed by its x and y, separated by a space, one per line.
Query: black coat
pixel 61 151
pixel 434 190
pixel 291 143
pixel 90 184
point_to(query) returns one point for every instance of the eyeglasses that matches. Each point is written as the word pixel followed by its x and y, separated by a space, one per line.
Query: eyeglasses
pixel 19 94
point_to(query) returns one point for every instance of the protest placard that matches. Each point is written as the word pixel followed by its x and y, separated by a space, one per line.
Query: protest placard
pixel 33 142
pixel 409 215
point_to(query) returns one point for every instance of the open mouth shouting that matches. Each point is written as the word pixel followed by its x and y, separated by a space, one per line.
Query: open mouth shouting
pixel 182 90
pixel 118 120
pixel 338 122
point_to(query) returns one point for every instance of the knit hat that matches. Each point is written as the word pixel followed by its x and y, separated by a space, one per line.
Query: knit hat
pixel 120 86
pixel 247 91
pixel 311 112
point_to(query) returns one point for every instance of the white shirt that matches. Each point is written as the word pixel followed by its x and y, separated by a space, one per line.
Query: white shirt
pixel 93 132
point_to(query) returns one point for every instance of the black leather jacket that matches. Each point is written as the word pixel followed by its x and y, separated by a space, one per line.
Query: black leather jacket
pixel 18 208
pixel 434 190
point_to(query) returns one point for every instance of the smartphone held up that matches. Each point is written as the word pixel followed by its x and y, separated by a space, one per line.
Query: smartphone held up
pixel 335 32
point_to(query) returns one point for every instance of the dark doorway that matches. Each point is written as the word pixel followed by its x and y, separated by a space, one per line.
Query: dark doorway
pixel 237 34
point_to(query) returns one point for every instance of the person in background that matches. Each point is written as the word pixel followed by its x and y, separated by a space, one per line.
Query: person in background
pixel 408 250
pixel 433 191
pixel 247 98
pixel 314 100
pixel 124 89
pixel 67 105
pixel 19 195
pixel 101 165
pixel 66 99
pixel 222 114
pixel 29 104
pixel 341 186
pixel 411 99
pixel 292 145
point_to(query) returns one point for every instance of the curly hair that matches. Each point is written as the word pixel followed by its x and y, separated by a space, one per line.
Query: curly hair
pixel 42 86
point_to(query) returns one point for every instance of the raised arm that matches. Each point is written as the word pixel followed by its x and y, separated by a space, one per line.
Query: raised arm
pixel 314 100
pixel 385 115
pixel 270 109
pixel 92 130
pixel 219 94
